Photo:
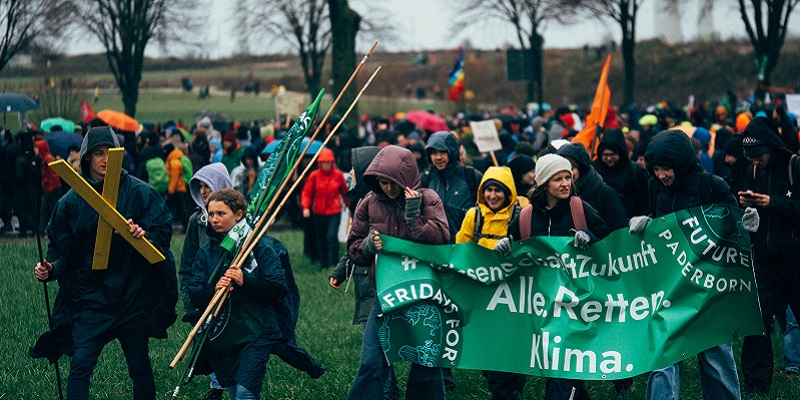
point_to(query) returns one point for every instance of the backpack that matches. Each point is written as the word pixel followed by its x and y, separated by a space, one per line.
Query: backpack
pixel 188 169
pixel 477 232
pixel 469 176
pixel 157 175
pixel 576 209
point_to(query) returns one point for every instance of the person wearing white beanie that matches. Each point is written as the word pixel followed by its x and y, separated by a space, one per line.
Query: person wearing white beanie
pixel 550 214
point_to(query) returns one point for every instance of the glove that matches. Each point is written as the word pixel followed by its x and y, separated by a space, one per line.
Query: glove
pixel 368 245
pixel 638 224
pixel 412 207
pixel 750 219
pixel 582 240
pixel 503 246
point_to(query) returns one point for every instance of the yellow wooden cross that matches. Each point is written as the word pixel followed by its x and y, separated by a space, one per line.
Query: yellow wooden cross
pixel 109 218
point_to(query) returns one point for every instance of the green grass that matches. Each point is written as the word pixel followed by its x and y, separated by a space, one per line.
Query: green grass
pixel 324 329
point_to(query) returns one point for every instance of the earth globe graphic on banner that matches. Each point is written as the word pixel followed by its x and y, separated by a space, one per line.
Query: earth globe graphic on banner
pixel 426 319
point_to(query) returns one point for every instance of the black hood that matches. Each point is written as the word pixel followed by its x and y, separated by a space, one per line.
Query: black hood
pixel 577 152
pixel 97 136
pixel 672 149
pixel 360 157
pixel 766 131
pixel 614 140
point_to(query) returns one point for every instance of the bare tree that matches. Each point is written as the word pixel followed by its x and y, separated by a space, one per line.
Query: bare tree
pixel 766 23
pixel 344 24
pixel 625 13
pixel 305 25
pixel 529 18
pixel 126 27
pixel 23 22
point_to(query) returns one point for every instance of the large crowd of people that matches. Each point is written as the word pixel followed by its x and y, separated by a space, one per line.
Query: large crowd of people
pixel 399 179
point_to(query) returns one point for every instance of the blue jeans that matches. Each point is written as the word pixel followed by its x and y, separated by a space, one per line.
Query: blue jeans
pixel 718 377
pixel 791 341
pixel 375 371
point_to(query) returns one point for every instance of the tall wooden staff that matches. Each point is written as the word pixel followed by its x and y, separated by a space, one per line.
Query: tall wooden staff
pixel 36 213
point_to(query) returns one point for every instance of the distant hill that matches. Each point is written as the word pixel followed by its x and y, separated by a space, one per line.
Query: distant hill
pixel 664 72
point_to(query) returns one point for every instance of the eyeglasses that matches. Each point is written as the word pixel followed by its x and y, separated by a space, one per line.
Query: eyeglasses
pixel 609 155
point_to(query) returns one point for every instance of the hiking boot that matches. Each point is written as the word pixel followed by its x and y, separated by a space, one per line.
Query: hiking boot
pixel 214 394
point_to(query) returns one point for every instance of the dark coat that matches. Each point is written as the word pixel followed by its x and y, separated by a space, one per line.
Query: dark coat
pixel 779 230
pixel 450 183
pixel 692 187
pixel 377 212
pixel 557 221
pixel 89 302
pixel 363 285
pixel 626 177
pixel 593 190
pixel 268 305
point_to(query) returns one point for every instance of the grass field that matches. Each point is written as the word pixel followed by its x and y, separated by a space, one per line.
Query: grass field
pixel 324 329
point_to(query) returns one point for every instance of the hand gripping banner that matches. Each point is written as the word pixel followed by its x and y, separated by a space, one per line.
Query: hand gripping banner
pixel 627 305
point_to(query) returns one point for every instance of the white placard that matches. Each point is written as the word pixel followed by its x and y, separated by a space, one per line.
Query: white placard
pixel 486 137
pixel 793 103
pixel 292 103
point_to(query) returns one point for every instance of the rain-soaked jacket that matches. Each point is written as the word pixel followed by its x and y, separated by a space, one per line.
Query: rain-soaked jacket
pixel 692 187
pixel 451 183
pixel 90 303
pixel 377 212
pixel 495 224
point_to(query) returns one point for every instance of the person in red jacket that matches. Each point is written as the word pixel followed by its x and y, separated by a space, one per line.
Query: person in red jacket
pixel 322 201
pixel 51 184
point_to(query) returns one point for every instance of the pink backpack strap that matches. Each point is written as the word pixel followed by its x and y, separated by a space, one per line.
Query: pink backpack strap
pixel 525 216
pixel 578 216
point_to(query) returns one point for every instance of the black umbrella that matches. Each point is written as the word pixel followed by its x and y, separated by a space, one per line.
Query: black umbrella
pixel 15 102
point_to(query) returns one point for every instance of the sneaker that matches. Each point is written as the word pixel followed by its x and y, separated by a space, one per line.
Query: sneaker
pixel 214 394
pixel 791 373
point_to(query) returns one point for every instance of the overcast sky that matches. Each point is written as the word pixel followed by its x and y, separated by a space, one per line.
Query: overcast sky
pixel 425 25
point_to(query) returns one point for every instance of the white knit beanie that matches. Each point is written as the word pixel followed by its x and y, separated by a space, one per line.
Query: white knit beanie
pixel 549 165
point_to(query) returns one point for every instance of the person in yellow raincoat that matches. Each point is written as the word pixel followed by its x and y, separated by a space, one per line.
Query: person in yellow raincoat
pixel 485 224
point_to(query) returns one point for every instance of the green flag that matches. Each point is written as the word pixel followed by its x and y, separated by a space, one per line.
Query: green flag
pixel 627 305
pixel 280 162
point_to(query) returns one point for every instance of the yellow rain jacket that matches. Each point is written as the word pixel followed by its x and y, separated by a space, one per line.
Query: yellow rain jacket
pixel 494 224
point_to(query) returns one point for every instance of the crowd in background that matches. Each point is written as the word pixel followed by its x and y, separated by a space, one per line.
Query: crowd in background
pixel 166 156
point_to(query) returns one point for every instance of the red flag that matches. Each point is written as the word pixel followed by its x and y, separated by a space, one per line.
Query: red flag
pixel 86 111
pixel 598 115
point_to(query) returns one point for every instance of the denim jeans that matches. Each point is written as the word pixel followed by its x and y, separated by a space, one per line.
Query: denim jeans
pixel 135 346
pixel 718 377
pixel 249 373
pixel 791 340
pixel 375 371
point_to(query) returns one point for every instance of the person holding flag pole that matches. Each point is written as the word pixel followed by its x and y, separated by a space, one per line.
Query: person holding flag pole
pixel 263 194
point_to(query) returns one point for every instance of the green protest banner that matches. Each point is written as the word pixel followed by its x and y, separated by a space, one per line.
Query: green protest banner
pixel 627 305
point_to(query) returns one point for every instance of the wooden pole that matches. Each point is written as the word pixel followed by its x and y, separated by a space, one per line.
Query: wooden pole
pixel 258 226
pixel 249 242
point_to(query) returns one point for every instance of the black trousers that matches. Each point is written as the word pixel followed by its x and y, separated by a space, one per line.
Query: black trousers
pixel 778 283
pixel 327 237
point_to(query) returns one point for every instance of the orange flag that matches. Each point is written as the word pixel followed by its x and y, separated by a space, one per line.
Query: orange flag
pixel 587 135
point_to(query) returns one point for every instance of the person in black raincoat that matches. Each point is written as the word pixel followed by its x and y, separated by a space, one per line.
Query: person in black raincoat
pixel 617 170
pixel 678 184
pixel 591 187
pixel 456 184
pixel 131 301
pixel 262 310
pixel 771 185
